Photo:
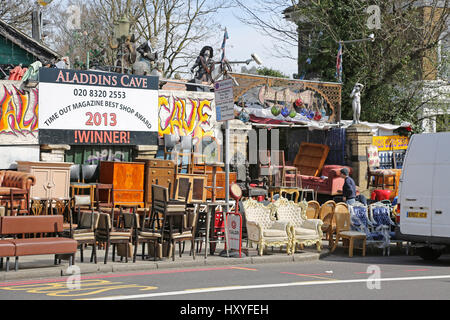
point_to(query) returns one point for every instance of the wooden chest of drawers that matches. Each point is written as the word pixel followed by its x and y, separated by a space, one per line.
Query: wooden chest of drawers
pixel 220 182
pixel 159 172
pixel 127 179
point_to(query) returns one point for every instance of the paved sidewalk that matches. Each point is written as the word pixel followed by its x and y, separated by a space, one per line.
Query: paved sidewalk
pixel 35 267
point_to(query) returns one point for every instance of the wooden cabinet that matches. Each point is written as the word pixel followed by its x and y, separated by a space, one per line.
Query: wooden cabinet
pixel 127 179
pixel 52 179
pixel 220 182
pixel 159 172
pixel 198 187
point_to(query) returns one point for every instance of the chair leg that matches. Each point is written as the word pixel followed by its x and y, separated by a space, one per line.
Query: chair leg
pixel 364 248
pixel 7 264
pixel 173 250
pixel 334 245
pixel 135 251
pixel 81 252
pixel 16 264
pixel 114 252
pixel 106 251
pixel 350 248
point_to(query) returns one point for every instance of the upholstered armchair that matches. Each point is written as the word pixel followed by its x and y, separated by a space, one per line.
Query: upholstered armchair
pixel 263 229
pixel 304 231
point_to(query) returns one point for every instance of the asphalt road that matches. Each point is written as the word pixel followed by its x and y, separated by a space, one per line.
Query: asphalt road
pixel 336 277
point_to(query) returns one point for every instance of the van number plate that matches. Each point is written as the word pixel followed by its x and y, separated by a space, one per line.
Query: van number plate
pixel 419 215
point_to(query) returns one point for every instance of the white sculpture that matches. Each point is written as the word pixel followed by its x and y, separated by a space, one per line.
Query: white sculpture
pixel 356 104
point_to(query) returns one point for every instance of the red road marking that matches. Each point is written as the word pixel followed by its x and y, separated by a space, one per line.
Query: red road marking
pixel 304 274
pixel 116 276
pixel 414 270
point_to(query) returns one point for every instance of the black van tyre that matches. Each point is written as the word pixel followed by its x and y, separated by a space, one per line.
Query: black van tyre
pixel 429 254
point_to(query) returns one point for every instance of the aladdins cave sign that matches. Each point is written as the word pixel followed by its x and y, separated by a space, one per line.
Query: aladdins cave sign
pixel 97 108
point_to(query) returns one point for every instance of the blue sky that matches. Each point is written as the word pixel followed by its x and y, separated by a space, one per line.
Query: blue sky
pixel 245 40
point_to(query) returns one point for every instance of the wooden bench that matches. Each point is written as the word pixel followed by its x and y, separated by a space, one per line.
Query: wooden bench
pixel 62 248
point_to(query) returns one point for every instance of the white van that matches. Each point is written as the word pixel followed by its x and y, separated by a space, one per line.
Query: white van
pixel 424 194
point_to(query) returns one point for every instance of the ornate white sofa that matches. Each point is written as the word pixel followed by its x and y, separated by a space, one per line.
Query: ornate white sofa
pixel 263 229
pixel 303 231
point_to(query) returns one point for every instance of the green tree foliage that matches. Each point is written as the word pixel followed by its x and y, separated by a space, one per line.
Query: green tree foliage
pixel 391 67
pixel 270 73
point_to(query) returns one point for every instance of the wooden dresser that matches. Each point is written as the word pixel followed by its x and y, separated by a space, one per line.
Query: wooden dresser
pixel 52 179
pixel 159 172
pixel 127 179
pixel 220 182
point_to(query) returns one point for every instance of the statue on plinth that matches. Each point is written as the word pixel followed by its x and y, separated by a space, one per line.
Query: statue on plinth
pixel 356 104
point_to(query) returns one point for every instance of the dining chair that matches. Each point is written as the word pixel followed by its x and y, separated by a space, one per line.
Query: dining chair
pixel 84 231
pixel 111 235
pixel 178 222
pixel 104 200
pixel 312 211
pixel 326 214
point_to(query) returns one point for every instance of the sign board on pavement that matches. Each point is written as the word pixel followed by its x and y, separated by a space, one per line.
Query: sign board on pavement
pixel 234 229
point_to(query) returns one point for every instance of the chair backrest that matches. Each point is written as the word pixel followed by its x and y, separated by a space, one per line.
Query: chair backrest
pixel 104 223
pixel 75 173
pixel 89 173
pixel 342 216
pixel 373 158
pixel 88 220
pixel 312 211
pixel 258 212
pixel 31 224
pixel 326 212
pixel 359 215
pixel 160 197
pixel 82 200
pixel 277 158
pixel 289 211
pixel 264 162
pixel 186 143
pixel 170 141
pixel 129 218
pixel 380 214
pixel 104 195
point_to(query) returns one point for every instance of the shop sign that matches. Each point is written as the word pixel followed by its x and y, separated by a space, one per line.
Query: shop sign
pixel 388 143
pixel 90 108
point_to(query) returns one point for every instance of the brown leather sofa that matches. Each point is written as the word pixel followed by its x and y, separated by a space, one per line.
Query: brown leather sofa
pixel 14 226
pixel 15 181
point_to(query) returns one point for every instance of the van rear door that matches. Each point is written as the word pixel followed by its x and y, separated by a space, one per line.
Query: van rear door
pixel 416 186
pixel 441 188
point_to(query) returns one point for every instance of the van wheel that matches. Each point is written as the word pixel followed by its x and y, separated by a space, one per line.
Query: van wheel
pixel 429 254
